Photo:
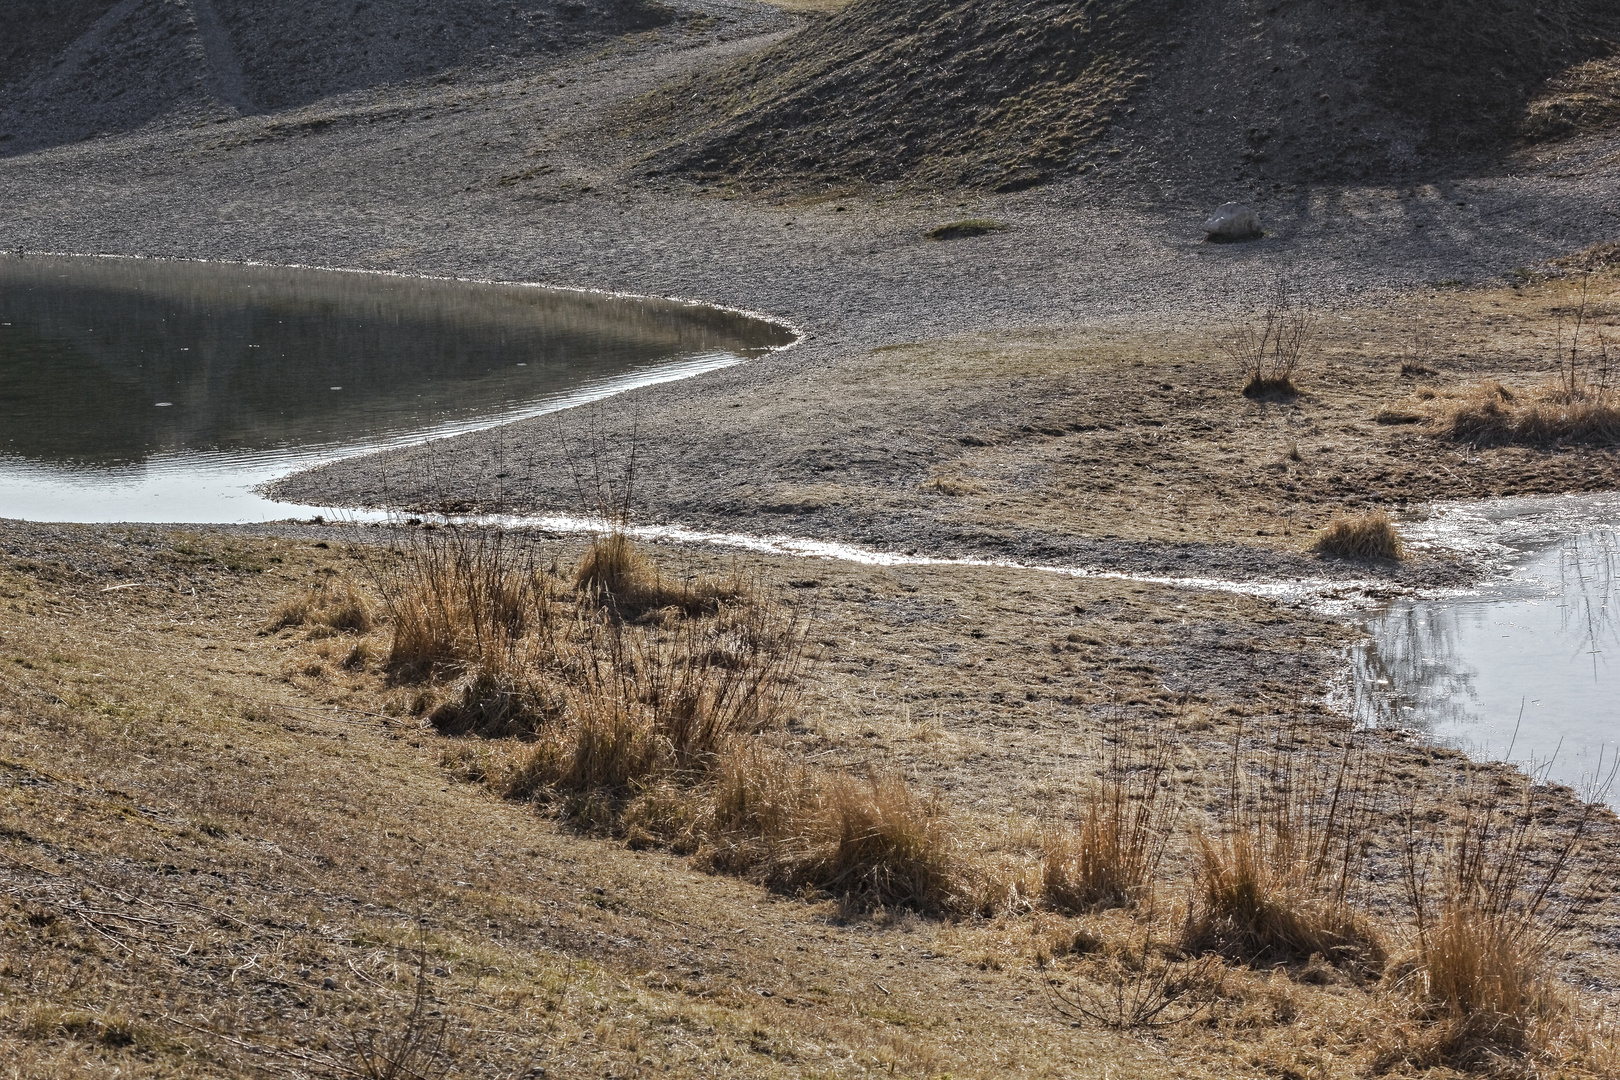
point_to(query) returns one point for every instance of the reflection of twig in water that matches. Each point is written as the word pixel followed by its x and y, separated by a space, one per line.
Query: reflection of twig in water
pixel 1587 576
pixel 1413 662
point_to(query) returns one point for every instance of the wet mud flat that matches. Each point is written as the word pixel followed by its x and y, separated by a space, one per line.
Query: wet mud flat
pixel 1112 448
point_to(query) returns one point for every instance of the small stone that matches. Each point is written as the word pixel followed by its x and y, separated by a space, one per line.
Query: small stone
pixel 329 983
pixel 1233 221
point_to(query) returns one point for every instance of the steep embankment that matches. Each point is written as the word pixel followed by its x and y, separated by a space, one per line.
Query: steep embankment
pixel 74 68
pixel 1007 93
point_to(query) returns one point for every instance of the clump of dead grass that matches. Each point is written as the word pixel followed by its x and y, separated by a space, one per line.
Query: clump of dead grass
pixel 652 730
pixel 1277 885
pixel 615 573
pixel 1370 534
pixel 1108 858
pixel 1577 404
pixel 1548 414
pixel 325 608
pixel 871 840
pixel 1490 895
pixel 460 602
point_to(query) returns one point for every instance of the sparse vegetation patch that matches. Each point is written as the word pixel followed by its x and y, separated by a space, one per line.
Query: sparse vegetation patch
pixel 953 230
pixel 1370 534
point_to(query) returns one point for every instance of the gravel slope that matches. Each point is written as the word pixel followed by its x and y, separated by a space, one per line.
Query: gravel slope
pixel 521 172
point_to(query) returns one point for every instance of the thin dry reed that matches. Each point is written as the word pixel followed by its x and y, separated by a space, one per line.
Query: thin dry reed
pixel 1491 893
pixel 1109 856
pixel 1277 885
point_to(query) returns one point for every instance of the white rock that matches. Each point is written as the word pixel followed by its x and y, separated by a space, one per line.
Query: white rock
pixel 1234 221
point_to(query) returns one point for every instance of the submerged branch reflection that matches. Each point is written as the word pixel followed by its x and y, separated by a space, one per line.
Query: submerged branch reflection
pixel 1542 643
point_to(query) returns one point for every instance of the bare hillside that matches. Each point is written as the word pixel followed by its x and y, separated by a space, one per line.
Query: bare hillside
pixel 78 67
pixel 1007 93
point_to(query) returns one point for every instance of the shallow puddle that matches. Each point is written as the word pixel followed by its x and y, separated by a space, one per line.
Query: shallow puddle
pixel 1525 668
pixel 136 390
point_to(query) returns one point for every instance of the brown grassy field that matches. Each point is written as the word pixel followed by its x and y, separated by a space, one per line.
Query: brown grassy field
pixel 233 851
pixel 1110 432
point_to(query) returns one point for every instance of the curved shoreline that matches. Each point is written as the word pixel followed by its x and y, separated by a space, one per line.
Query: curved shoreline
pixel 799 335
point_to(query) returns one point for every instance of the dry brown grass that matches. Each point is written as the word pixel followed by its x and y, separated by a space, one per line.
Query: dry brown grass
pixel 1110 856
pixel 324 607
pixel 135 805
pixel 876 841
pixel 1548 414
pixel 1578 405
pixel 1490 895
pixel 648 730
pixel 1278 885
pixel 1370 534
pixel 458 602
pixel 616 574
pixel 613 565
pixel 602 707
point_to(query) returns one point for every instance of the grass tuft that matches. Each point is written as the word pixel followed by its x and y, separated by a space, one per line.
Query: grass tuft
pixel 1108 859
pixel 1367 535
pixel 953 230
pixel 1549 414
pixel 1276 887
pixel 613 565
pixel 324 608
pixel 1490 896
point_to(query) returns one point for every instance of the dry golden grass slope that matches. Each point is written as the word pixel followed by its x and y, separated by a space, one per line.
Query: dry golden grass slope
pixel 225 853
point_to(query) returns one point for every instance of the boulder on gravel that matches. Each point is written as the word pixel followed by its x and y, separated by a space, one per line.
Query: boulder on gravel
pixel 1233 221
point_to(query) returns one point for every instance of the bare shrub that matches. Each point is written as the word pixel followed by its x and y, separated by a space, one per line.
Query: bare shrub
pixel 1140 988
pixel 1370 534
pixel 1269 347
pixel 416 1048
pixel 1277 885
pixel 1109 857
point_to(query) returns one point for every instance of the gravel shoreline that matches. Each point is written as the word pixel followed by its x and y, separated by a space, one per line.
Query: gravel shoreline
pixel 517 175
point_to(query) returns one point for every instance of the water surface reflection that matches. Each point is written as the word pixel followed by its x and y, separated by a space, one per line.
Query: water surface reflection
pixel 162 391
pixel 1543 642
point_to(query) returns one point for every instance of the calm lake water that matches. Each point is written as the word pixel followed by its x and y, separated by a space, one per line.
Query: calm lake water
pixel 135 390
pixel 1541 642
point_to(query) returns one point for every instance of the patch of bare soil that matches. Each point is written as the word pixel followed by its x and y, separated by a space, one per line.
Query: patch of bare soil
pixel 231 851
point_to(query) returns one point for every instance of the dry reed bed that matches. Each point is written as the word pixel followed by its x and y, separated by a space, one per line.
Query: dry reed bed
pixel 647 710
